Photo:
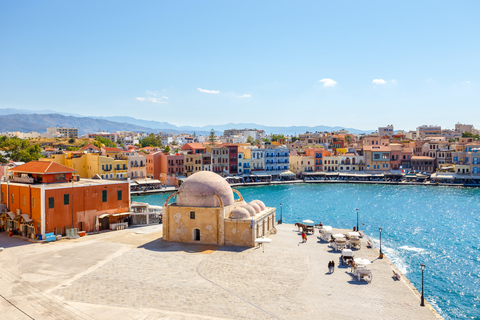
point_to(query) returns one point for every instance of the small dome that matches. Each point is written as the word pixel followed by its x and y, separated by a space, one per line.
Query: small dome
pixel 250 209
pixel 239 213
pixel 260 204
pixel 200 188
pixel 255 206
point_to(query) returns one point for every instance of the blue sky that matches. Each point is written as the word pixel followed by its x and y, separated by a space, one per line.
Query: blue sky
pixel 360 64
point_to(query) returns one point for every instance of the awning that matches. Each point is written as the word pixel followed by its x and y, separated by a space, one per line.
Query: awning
pixel 103 215
pixel 10 214
pixel 26 217
pixel 120 214
pixel 287 173
pixel 148 181
pixel 439 176
pixel 314 173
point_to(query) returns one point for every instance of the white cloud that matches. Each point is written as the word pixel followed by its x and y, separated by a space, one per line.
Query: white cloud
pixel 153 99
pixel 245 96
pixel 465 82
pixel 208 91
pixel 378 81
pixel 328 82
pixel 393 81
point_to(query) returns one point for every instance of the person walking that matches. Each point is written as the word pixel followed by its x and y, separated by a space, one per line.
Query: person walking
pixel 304 236
pixel 330 266
pixel 333 266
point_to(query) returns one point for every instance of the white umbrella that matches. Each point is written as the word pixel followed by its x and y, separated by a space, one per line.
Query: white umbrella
pixel 362 261
pixel 308 221
pixel 354 234
pixel 327 228
pixel 339 235
pixel 262 241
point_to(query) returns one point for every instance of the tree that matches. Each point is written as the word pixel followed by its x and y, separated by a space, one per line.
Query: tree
pixel 212 137
pixel 295 139
pixel 265 140
pixel 105 141
pixel 150 141
pixel 71 140
pixel 278 137
pixel 167 149
pixel 348 139
pixel 250 140
pixel 470 135
pixel 20 150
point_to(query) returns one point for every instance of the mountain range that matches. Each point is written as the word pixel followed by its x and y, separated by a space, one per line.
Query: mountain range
pixel 25 120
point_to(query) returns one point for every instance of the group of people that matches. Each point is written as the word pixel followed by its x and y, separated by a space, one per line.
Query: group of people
pixel 331 266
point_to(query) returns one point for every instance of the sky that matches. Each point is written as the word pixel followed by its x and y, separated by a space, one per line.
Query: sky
pixel 357 64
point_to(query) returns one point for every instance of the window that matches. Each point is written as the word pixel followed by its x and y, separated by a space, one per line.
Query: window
pixel 51 202
pixel 13 198
pixel 104 195
pixel 376 156
pixel 24 200
pixel 119 195
pixel 192 214
pixel 66 199
pixel 33 202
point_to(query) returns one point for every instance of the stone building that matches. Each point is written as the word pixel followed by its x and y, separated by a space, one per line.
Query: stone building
pixel 206 212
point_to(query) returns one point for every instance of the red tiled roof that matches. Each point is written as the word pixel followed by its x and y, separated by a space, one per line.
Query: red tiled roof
pixel 42 167
pixel 111 149
pixel 90 146
pixel 194 146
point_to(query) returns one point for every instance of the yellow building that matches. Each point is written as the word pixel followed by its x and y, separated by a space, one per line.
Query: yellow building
pixel 301 164
pixel 88 165
pixel 206 212
pixel 193 163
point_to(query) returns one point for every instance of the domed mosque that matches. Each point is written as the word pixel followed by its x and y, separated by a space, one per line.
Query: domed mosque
pixel 206 211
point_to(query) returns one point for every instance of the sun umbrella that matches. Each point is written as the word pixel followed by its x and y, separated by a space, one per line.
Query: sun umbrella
pixel 362 261
pixel 339 235
pixel 327 228
pixel 308 221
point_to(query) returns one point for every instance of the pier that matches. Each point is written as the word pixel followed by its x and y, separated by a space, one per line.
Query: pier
pixel 132 273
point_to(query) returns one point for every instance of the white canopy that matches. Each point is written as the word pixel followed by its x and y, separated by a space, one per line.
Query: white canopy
pixel 362 261
pixel 338 235
pixel 354 234
pixel 347 253
pixel 327 228
pixel 263 240
pixel 308 221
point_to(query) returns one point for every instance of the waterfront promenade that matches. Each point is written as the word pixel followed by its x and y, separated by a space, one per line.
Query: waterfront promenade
pixel 133 274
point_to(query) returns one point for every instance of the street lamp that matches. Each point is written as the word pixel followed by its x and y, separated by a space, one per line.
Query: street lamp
pixel 381 254
pixel 281 214
pixel 422 301
pixel 357 219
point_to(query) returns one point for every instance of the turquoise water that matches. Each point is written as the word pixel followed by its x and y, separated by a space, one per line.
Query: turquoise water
pixel 437 226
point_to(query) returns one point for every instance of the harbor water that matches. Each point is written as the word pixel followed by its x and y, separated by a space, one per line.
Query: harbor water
pixel 437 226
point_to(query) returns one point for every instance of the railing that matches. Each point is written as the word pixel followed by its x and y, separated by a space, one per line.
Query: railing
pixel 22 179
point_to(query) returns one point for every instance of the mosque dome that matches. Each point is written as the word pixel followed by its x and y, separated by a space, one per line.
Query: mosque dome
pixel 200 188
pixel 255 206
pixel 250 209
pixel 239 213
pixel 260 204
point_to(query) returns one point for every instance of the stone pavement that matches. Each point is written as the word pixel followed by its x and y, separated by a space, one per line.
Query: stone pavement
pixel 133 274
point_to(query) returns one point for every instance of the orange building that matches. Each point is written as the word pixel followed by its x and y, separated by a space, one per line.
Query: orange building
pixel 43 197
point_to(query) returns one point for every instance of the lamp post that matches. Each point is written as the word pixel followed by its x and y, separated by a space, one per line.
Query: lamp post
pixel 357 219
pixel 281 214
pixel 422 301
pixel 381 254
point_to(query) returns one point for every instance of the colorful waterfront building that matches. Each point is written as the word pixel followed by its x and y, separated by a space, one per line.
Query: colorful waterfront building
pixel 88 165
pixel 319 154
pixel 377 158
pixel 44 196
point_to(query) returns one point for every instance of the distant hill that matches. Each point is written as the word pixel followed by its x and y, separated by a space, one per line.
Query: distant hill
pixel 27 120
pixel 40 123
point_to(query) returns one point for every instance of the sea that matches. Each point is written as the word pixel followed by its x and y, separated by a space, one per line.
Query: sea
pixel 432 225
